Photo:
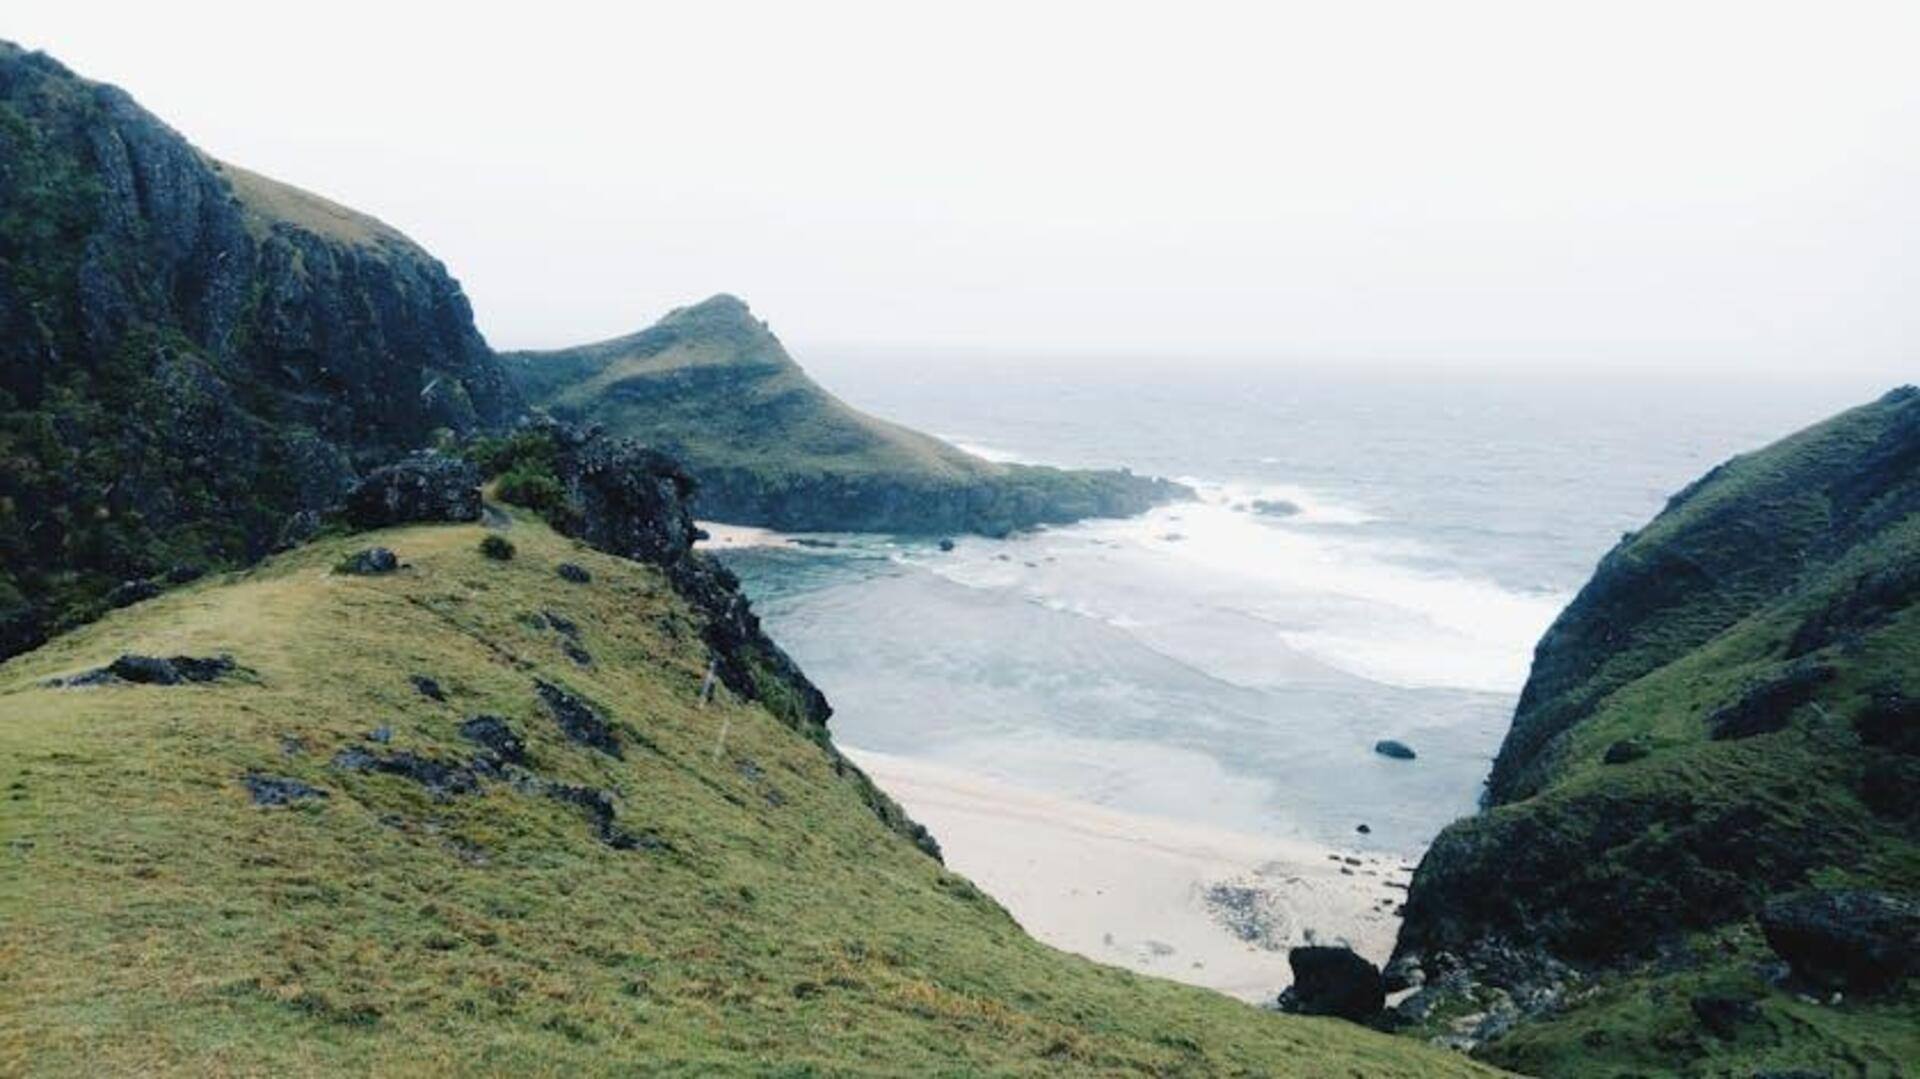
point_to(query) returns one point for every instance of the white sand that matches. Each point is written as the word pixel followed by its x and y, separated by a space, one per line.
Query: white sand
pixel 719 535
pixel 1133 890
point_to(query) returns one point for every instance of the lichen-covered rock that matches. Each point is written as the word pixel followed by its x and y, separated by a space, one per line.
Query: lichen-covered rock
pixel 419 487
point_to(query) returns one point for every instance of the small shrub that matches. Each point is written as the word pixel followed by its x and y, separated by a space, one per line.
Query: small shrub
pixel 498 548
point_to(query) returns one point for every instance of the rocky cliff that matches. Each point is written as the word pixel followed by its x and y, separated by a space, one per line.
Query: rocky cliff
pixel 1722 724
pixel 711 385
pixel 191 353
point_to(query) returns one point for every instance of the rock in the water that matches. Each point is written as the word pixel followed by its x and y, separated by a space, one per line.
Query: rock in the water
pixel 370 562
pixel 1845 938
pixel 427 687
pixel 493 733
pixel 278 790
pixel 1364 829
pixel 1275 507
pixel 1398 750
pixel 421 487
pixel 1333 981
pixel 570 572
pixel 946 544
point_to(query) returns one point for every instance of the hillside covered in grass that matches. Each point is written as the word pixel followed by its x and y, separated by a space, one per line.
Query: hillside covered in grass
pixel 712 386
pixel 1701 853
pixel 486 813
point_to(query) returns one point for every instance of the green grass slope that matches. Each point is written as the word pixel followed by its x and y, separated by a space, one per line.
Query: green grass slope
pixel 154 920
pixel 712 386
pixel 1726 713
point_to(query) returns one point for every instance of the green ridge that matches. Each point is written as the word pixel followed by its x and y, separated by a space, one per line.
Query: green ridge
pixel 153 919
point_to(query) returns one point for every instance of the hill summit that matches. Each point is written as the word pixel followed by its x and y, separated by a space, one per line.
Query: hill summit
pixel 711 385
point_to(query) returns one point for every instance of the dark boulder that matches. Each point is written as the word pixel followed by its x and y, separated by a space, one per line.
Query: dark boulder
pixel 493 733
pixel 1768 706
pixel 1398 750
pixel 370 562
pixel 420 487
pixel 128 593
pixel 1625 751
pixel 1333 981
pixel 153 670
pixel 268 790
pixel 946 545
pixel 441 778
pixel 1853 939
pixel 427 687
pixel 577 719
pixel 576 574
pixel 1722 1015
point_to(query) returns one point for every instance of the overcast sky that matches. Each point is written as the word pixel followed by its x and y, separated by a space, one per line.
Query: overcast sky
pixel 1648 184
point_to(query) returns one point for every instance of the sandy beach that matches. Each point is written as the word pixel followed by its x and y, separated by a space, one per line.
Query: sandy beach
pixel 1209 907
pixel 725 536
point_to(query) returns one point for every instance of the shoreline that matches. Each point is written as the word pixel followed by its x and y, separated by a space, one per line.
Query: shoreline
pixel 1205 906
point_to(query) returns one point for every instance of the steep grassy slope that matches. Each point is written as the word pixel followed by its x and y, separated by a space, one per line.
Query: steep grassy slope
pixel 712 386
pixel 191 354
pixel 434 912
pixel 1725 714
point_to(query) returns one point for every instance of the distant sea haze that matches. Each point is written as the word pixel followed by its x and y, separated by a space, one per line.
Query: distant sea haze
pixel 1220 665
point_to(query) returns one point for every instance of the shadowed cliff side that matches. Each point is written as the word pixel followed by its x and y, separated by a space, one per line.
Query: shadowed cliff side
pixel 1719 735
pixel 711 385
pixel 191 353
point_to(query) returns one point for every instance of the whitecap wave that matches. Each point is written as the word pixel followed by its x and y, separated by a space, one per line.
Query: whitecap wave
pixel 1241 594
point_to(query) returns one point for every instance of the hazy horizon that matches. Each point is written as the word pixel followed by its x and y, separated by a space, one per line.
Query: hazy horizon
pixel 1638 187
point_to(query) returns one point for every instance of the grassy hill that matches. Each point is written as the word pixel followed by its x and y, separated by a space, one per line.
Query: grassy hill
pixel 1728 713
pixel 727 903
pixel 711 385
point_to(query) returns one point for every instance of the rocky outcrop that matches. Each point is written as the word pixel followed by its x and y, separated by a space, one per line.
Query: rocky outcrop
pixel 1848 939
pixel 1333 981
pixel 190 353
pixel 420 487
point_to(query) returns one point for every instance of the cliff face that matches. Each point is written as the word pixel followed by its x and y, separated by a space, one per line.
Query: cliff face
pixel 1726 713
pixel 190 353
pixel 711 385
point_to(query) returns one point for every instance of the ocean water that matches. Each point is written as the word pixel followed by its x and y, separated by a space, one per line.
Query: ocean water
pixel 1215 664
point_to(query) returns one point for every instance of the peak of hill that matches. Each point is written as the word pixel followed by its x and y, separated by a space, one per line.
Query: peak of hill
pixel 193 357
pixel 1722 726
pixel 711 385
